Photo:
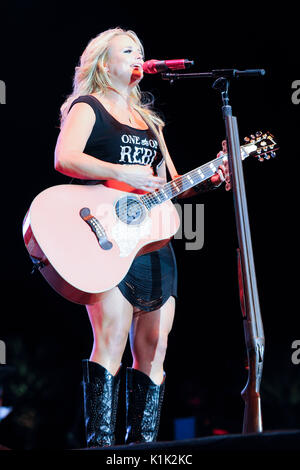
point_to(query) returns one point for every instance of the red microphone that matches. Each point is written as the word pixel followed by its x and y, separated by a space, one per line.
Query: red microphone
pixel 157 66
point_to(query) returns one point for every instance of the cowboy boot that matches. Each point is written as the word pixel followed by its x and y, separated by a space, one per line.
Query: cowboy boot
pixel 101 391
pixel 143 406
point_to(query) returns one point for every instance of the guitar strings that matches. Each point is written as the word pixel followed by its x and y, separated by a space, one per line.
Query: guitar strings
pixel 123 211
pixel 194 173
pixel 207 166
pixel 169 187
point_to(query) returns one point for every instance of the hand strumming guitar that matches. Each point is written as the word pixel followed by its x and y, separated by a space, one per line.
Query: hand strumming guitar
pixel 140 177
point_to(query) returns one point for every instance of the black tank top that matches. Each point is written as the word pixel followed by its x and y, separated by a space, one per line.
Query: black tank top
pixel 114 142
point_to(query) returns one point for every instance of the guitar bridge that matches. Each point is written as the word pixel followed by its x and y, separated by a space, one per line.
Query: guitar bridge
pixel 96 227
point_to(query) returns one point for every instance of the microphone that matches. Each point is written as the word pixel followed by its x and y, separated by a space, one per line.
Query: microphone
pixel 157 66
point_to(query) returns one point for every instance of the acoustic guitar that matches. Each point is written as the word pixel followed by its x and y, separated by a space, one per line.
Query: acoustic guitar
pixel 84 238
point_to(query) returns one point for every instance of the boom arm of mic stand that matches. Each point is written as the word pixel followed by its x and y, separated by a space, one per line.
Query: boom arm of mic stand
pixel 224 73
pixel 177 76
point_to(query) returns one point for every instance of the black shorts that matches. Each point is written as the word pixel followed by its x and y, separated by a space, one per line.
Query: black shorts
pixel 151 279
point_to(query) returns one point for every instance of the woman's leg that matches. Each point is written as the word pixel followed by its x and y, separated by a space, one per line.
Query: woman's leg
pixel 149 338
pixel 110 319
pixel 145 381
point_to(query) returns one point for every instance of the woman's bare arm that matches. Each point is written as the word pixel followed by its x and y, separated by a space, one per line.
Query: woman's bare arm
pixel 69 157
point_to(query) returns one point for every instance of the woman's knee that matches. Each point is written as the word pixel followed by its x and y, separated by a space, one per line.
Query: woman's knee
pixel 149 335
pixel 110 321
pixel 114 339
pixel 113 311
pixel 150 346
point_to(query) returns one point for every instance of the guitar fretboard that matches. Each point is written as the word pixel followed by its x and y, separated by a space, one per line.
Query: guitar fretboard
pixel 183 183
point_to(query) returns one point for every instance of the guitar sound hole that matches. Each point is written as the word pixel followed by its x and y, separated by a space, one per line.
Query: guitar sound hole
pixel 130 210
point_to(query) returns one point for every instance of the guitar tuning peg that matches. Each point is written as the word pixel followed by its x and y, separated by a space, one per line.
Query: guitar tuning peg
pixel 273 154
pixel 261 157
pixel 258 133
pixel 246 139
pixel 267 156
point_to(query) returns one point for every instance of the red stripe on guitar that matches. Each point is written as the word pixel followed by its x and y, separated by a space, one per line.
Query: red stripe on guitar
pixel 121 186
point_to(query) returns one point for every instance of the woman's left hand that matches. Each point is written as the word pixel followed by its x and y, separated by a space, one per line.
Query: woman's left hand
pixel 223 171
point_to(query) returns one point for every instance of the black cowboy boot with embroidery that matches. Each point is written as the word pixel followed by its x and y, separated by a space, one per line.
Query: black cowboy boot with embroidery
pixel 101 391
pixel 143 407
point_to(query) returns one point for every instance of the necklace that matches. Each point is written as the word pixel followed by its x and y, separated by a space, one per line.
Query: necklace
pixel 129 118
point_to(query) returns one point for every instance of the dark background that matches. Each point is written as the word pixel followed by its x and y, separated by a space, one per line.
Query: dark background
pixel 46 336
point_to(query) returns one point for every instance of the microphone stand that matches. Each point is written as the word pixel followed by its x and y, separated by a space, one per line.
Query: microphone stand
pixel 249 301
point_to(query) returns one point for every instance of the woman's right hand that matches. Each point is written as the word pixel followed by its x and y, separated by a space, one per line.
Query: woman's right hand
pixel 140 177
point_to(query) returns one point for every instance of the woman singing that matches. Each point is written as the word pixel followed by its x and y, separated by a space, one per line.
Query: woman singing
pixel 107 133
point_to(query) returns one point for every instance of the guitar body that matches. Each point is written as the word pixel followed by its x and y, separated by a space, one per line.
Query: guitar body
pixel 84 238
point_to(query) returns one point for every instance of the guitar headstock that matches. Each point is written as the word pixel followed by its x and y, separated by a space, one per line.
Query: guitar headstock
pixel 261 145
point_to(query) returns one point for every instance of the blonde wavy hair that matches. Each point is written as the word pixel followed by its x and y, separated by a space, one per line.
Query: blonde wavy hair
pixel 90 77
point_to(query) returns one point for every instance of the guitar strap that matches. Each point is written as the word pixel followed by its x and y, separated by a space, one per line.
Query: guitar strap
pixel 170 165
pixel 169 162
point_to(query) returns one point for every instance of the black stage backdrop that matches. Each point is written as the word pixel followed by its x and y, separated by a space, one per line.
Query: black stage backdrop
pixel 45 335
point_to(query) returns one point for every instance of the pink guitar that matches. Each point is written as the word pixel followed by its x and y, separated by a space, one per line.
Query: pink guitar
pixel 83 239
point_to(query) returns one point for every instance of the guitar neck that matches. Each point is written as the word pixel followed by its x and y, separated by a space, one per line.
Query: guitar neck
pixel 188 180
